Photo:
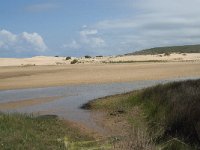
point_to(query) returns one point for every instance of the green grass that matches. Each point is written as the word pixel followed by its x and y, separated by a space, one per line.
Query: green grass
pixel 22 132
pixel 170 112
pixel 168 50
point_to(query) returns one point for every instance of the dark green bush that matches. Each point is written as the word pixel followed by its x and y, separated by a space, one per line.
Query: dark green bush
pixel 99 56
pixel 87 56
pixel 68 58
pixel 74 61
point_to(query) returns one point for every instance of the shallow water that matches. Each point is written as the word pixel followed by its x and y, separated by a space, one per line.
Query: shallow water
pixel 70 98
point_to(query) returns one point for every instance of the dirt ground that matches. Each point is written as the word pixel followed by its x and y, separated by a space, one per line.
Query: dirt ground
pixel 45 76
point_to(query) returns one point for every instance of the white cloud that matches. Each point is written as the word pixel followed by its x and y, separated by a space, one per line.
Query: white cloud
pixel 87 32
pixel 24 42
pixel 35 40
pixel 42 7
pixel 174 7
pixel 90 38
pixel 87 39
pixel 153 23
pixel 72 45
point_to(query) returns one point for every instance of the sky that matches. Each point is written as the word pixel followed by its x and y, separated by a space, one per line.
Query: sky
pixel 95 27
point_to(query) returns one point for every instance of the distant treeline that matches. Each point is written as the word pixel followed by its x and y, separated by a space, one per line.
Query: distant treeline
pixel 171 49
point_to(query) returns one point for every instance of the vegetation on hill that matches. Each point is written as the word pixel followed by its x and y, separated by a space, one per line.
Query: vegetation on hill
pixel 168 50
pixel 170 113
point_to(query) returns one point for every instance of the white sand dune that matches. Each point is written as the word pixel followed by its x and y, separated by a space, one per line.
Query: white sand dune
pixel 47 60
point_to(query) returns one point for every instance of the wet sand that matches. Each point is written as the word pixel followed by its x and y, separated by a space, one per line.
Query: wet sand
pixel 26 103
pixel 46 76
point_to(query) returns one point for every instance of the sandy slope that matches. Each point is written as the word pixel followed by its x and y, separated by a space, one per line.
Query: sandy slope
pixel 43 76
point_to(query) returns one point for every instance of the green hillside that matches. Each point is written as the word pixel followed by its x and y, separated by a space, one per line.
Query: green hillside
pixel 171 49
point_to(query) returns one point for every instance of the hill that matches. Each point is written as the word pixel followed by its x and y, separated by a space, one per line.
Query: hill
pixel 168 50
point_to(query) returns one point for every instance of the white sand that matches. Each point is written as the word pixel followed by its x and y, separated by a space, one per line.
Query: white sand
pixel 45 60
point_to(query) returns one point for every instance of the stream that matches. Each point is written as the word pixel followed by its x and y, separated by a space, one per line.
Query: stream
pixel 70 98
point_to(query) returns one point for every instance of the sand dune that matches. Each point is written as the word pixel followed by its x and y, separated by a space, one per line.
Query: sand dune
pixel 44 60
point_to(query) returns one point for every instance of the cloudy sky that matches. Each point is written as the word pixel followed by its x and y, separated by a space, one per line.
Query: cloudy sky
pixel 95 27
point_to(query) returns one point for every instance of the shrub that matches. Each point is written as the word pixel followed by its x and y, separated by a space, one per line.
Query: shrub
pixel 68 58
pixel 99 56
pixel 87 56
pixel 74 61
pixel 166 54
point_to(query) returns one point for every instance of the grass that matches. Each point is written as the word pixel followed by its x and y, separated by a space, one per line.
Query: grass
pixel 132 61
pixel 168 50
pixel 169 112
pixel 21 132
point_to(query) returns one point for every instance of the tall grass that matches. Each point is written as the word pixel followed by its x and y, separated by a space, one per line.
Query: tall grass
pixel 173 111
pixel 170 113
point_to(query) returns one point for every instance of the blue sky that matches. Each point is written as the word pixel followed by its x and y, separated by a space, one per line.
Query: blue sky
pixel 95 27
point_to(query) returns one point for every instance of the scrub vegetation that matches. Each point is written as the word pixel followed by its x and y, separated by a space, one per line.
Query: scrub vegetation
pixel 168 50
pixel 167 115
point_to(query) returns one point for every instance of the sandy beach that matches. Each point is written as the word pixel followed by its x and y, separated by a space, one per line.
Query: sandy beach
pixel 17 77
